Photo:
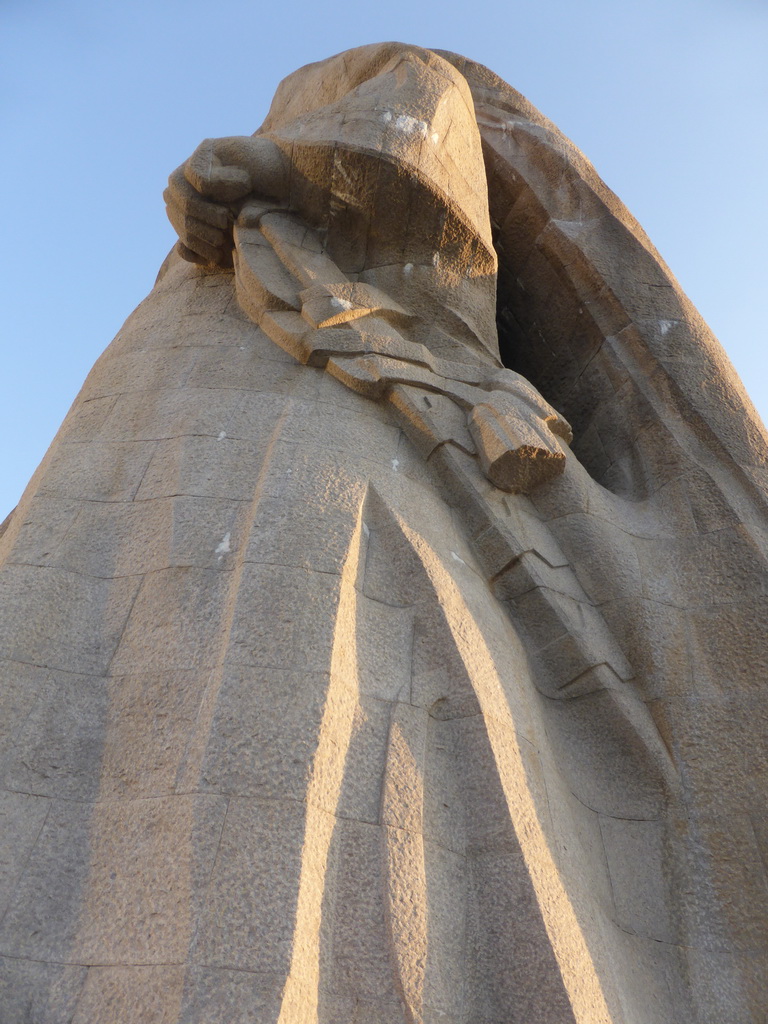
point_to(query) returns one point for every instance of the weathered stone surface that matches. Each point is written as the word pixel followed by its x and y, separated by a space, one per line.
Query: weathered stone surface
pixel 30 990
pixel 307 712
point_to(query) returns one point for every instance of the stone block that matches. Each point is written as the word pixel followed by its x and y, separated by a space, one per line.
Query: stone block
pixel 152 995
pixel 332 304
pixel 430 419
pixel 402 795
pixel 570 656
pixel 727 987
pixel 570 493
pixel 522 521
pixel 22 687
pixel 724 568
pixel 498 547
pixel 656 451
pixel 174 622
pixel 22 817
pixel 263 732
pixel 380 1013
pixel 525 219
pixel 64 620
pixel 149 720
pixel 204 467
pixel 114 539
pixel 219 996
pixel 86 419
pixel 439 677
pixel 603 758
pixel 362 430
pixel 277 604
pixel 292 240
pixel 463 486
pixel 534 571
pixel 729 645
pixel 544 614
pixel 655 638
pixel 490 828
pixel 713 739
pixel 243 369
pixel 589 449
pixel 447 878
pixel 352 174
pixel 726 898
pixel 209 292
pixel 115 881
pixel 45 524
pixel 384 639
pixel 512 969
pixel 446 811
pixel 637 863
pixel 263 281
pixel 360 797
pixel 307 514
pixel 710 507
pixel 98 470
pixel 643 978
pixel 138 371
pixel 409 464
pixel 249 914
pixel 393 573
pixel 58 749
pixel 262 414
pixel 613 571
pixel 159 414
pixel 358 942
pixel 577 842
pixel 339 1009
pixel 33 991
pixel 205 533
pixel 287 532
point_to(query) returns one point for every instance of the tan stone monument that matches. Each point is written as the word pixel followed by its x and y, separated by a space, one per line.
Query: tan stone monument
pixel 344 682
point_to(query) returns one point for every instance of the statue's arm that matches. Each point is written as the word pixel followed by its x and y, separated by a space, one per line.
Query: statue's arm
pixel 203 195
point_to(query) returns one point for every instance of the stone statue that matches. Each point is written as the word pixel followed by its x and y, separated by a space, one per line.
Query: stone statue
pixel 384 632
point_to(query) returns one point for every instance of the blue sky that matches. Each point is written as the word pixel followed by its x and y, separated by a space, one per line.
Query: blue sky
pixel 100 101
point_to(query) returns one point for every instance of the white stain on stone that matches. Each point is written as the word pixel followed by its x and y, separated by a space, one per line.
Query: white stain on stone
pixel 222 435
pixel 386 116
pixel 411 125
pixel 435 259
pixel 665 326
pixel 395 464
pixel 224 548
pixel 338 303
pixel 408 268
pixel 435 138
pixel 456 558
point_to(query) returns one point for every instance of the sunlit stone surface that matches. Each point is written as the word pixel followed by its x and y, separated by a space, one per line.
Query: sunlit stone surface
pixel 353 676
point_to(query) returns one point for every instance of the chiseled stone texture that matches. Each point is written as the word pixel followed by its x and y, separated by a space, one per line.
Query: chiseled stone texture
pixel 304 720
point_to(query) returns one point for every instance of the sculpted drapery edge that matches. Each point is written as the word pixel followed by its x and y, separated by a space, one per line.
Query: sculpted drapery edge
pixel 338 687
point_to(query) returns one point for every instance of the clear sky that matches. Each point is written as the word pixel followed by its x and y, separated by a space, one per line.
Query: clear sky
pixel 99 101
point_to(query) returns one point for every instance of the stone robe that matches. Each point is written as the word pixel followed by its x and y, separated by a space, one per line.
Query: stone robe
pixel 305 720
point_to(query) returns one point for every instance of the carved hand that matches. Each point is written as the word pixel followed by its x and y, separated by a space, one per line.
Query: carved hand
pixel 205 193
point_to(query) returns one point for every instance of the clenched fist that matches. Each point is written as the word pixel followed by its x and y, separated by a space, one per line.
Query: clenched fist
pixel 204 194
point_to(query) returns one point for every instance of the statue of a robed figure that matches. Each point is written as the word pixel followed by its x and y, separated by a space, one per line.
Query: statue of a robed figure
pixel 385 633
